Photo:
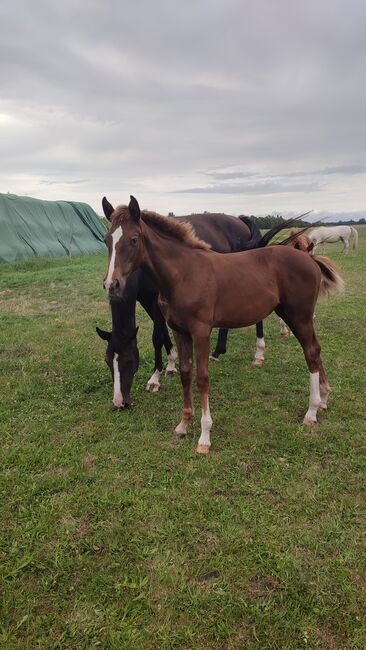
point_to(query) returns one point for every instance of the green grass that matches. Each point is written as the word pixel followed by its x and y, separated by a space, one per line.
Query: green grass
pixel 114 534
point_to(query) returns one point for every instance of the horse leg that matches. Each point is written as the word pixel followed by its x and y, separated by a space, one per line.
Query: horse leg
pixel 324 387
pixel 284 331
pixel 201 348
pixel 220 345
pixel 170 370
pixel 345 246
pixel 260 345
pixel 304 331
pixel 185 353
pixel 151 307
pixel 153 384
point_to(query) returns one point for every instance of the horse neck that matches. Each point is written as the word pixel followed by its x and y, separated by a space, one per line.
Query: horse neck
pixel 163 258
pixel 123 314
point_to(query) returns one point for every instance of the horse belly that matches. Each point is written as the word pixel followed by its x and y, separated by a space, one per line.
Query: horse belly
pixel 239 308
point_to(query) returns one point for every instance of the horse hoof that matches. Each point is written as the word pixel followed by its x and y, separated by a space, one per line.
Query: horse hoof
pixel 203 449
pixel 180 434
pixel 285 335
pixel 323 407
pixel 309 422
pixel 258 362
pixel 171 373
pixel 153 388
pixel 212 358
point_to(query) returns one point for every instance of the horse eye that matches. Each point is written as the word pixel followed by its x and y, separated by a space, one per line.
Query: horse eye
pixel 134 241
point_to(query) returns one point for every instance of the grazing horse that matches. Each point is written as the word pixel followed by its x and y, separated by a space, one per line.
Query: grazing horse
pixel 225 234
pixel 331 234
pixel 201 289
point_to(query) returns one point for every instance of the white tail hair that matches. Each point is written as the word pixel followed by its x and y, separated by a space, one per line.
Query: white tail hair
pixel 355 237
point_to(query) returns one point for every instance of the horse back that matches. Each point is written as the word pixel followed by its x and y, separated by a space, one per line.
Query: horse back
pixel 225 233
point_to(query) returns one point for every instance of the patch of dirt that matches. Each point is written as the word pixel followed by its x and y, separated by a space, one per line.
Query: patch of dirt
pixel 261 585
pixel 211 575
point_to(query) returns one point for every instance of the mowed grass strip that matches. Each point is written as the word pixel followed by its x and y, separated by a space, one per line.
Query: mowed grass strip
pixel 115 534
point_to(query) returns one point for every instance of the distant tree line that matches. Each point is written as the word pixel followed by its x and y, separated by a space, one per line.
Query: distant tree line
pixel 350 222
pixel 269 221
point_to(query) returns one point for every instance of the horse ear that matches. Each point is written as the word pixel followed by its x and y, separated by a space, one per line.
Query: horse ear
pixel 134 209
pixel 106 336
pixel 108 209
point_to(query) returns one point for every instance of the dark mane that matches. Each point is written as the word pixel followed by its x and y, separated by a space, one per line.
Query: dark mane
pixel 182 231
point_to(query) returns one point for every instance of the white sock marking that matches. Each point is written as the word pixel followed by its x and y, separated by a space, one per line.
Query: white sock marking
pixel 259 351
pixel 314 401
pixel 155 378
pixel 206 424
pixel 172 357
pixel 117 393
pixel 284 329
pixel 116 236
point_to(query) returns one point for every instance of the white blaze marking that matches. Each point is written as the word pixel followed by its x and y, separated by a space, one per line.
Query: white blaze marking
pixel 315 400
pixel 117 393
pixel 116 236
pixel 206 424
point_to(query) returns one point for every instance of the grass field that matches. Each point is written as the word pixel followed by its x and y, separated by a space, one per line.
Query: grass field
pixel 115 534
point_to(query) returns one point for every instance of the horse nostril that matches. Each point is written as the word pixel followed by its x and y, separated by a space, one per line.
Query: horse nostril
pixel 116 283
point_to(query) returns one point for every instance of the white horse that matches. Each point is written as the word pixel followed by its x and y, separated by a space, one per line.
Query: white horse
pixel 333 234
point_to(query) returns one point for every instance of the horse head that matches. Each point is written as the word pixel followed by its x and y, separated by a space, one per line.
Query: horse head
pixel 125 245
pixel 122 358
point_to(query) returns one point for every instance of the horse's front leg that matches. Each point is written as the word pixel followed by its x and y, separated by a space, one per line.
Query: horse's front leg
pixel 260 345
pixel 162 310
pixel 284 330
pixel 153 384
pixel 220 344
pixel 185 354
pixel 202 348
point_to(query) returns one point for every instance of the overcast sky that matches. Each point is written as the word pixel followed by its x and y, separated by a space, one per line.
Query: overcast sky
pixel 222 105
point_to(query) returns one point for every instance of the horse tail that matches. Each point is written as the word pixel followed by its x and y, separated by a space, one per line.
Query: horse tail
pixel 355 237
pixel 266 238
pixel 255 233
pixel 331 280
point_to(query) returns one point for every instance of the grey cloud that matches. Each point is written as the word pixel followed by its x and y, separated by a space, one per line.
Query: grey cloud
pixel 268 187
pixel 146 95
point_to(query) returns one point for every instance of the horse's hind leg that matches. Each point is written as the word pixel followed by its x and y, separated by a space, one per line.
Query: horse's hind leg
pixel 260 345
pixel 304 331
pixel 324 387
pixel 306 336
pixel 345 246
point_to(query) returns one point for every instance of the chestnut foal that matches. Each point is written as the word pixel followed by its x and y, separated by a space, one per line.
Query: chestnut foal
pixel 201 289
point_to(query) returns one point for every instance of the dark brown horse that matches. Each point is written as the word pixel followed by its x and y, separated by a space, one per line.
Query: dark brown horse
pixel 201 289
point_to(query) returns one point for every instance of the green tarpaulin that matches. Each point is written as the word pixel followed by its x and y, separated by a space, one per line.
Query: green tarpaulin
pixel 30 227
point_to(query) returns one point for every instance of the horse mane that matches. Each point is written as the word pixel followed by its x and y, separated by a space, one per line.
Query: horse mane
pixel 169 226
